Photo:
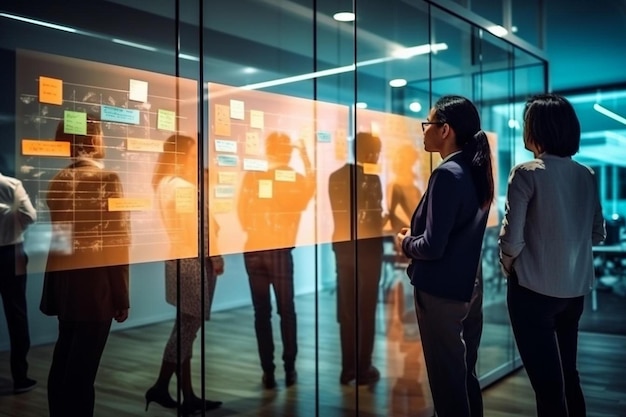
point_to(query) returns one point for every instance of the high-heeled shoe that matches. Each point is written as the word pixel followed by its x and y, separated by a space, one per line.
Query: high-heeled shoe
pixel 161 397
pixel 195 405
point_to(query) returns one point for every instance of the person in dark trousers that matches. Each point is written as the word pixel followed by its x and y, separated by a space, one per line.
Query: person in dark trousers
pixel 356 197
pixel 16 214
pixel 86 278
pixel 552 218
pixel 270 206
pixel 444 244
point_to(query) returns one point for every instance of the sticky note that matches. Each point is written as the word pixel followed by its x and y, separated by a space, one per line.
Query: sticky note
pixel 227 160
pixel 138 90
pixel 50 90
pixel 265 188
pixel 224 191
pixel 222 206
pixel 185 200
pixel 324 137
pixel 222 145
pixel 222 120
pixel 45 148
pixel 237 110
pixel 253 143
pixel 119 115
pixel 227 177
pixel 254 165
pixel 285 175
pixel 257 119
pixel 130 204
pixel 144 145
pixel 74 122
pixel 372 169
pixel 166 120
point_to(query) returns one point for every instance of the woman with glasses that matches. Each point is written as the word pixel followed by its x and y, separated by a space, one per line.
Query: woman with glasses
pixel 444 247
pixel 552 218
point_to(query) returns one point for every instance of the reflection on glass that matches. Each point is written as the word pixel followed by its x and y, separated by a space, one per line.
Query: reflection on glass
pixel 358 262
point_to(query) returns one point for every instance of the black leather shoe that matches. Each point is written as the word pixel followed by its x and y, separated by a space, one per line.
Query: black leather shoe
pixel 159 396
pixel 290 377
pixel 346 377
pixel 269 382
pixel 26 385
pixel 195 405
pixel 368 376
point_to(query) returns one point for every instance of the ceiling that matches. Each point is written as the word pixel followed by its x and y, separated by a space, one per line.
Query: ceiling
pixel 584 46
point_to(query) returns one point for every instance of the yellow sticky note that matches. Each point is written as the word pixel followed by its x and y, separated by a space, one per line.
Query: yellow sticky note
pixel 257 119
pixel 50 90
pixel 372 169
pixel 222 206
pixel 166 120
pixel 285 175
pixel 222 120
pixel 45 148
pixel 227 177
pixel 144 145
pixel 265 188
pixel 185 200
pixel 253 143
pixel 130 204
pixel 341 145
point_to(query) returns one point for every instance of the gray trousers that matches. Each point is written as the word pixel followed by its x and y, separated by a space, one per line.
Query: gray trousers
pixel 450 331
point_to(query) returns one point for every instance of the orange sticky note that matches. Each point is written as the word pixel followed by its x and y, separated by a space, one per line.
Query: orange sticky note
pixel 130 204
pixel 50 90
pixel 45 148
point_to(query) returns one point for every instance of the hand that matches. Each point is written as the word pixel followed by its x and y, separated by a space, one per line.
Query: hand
pixel 404 232
pixel 218 264
pixel 121 315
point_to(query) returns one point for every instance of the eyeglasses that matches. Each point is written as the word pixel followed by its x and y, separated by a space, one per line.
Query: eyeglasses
pixel 424 124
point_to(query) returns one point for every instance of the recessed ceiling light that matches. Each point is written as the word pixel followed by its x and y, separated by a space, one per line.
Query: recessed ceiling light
pixel 249 70
pixel 398 82
pixel 344 16
pixel 415 106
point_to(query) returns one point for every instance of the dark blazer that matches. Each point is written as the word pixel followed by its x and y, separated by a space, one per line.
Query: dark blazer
pixel 447 230
pixel 86 275
pixel 272 223
pixel 365 203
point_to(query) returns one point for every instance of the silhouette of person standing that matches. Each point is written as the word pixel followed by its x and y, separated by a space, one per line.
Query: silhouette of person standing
pixel 86 279
pixel 16 214
pixel 269 208
pixel 356 199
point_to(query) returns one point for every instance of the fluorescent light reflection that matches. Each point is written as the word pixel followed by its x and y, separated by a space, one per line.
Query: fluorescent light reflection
pixel 39 22
pixel 406 53
pixel 188 57
pixel 497 30
pixel 135 45
pixel 361 105
pixel 423 49
pixel 608 113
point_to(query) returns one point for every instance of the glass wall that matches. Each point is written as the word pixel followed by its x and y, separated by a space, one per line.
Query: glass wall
pixel 228 132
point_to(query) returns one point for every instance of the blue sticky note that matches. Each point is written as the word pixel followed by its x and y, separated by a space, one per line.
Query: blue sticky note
pixel 323 137
pixel 227 160
pixel 119 115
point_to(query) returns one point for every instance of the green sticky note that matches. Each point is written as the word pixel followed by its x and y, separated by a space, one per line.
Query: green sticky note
pixel 166 120
pixel 74 122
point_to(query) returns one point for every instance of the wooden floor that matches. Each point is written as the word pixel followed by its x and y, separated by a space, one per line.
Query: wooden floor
pixel 131 361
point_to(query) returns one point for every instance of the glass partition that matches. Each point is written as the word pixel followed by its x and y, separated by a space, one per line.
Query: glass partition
pixel 254 152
